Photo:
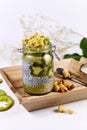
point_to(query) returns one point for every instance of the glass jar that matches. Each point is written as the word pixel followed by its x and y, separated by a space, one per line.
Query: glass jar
pixel 37 70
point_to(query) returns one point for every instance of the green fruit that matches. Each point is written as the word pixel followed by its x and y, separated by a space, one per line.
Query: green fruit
pixel 32 59
pixel 8 102
pixel 50 72
pixel 36 70
pixel 1 80
pixel 2 92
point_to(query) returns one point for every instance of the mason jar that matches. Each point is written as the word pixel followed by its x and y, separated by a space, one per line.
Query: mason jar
pixel 37 70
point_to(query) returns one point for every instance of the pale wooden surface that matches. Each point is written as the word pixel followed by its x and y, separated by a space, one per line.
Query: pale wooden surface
pixel 13 76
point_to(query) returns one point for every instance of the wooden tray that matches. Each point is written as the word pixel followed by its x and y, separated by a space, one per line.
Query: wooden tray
pixel 13 77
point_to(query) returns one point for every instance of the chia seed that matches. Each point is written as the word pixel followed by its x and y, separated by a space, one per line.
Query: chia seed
pixel 33 81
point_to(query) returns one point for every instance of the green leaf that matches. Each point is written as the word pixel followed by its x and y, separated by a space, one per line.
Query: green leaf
pixel 84 53
pixel 75 56
pixel 83 44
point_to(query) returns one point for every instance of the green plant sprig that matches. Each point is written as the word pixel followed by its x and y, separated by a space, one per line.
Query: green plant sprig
pixel 83 47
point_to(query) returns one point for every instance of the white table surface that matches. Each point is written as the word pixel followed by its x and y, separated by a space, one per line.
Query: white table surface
pixel 17 117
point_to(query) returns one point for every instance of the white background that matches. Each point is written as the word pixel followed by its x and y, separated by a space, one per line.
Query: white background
pixel 69 13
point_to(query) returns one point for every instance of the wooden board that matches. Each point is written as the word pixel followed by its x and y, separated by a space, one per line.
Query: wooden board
pixel 13 77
